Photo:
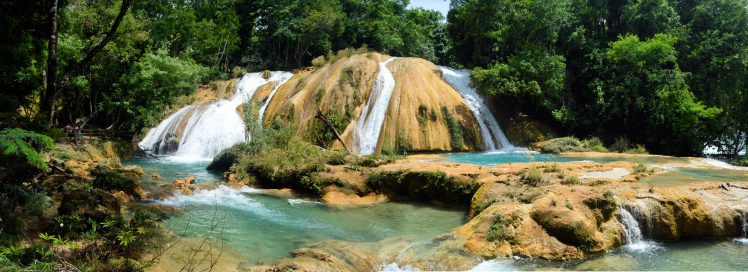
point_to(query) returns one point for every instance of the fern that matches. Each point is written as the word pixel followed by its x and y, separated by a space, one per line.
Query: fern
pixel 16 142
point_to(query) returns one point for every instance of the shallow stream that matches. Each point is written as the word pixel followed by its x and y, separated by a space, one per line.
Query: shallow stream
pixel 264 228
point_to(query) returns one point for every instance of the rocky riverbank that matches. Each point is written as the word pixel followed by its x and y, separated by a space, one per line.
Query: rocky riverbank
pixel 548 210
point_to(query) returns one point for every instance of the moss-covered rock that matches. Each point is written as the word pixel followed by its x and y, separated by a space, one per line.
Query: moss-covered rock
pixel 424 186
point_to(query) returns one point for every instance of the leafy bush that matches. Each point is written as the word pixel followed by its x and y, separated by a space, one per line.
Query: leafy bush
pixel 153 83
pixel 560 145
pixel 16 143
pixel 552 168
pixel 533 177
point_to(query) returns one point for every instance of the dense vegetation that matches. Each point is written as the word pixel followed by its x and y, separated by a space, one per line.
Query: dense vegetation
pixel 666 74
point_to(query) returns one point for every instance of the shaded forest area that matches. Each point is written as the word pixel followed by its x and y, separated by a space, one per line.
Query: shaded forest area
pixel 667 74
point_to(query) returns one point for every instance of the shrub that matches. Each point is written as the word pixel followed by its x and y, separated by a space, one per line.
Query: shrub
pixel 638 149
pixel 402 143
pixel 571 180
pixel 26 146
pixel 455 130
pixel 560 145
pixel 318 62
pixel 594 144
pixel 620 145
pixel 553 168
pixel 423 113
pixel 640 168
pixel 599 182
pixel 533 177
pixel 569 206
pixel 498 230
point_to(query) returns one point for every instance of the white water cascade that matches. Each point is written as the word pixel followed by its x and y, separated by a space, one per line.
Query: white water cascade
pixel 369 126
pixel 493 137
pixel 634 237
pixel 201 131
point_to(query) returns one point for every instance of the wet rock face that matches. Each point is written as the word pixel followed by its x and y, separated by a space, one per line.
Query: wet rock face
pixel 689 214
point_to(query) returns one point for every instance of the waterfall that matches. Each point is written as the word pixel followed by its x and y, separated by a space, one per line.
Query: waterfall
pixel 630 227
pixel 201 131
pixel 744 239
pixel 282 78
pixel 634 239
pixel 493 137
pixel 369 125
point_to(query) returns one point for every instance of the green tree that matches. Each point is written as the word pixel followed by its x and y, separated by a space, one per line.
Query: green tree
pixel 644 90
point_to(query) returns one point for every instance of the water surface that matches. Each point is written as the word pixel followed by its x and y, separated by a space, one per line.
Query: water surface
pixel 265 228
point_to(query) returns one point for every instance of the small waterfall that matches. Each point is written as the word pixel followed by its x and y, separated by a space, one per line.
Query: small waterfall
pixel 630 227
pixel 369 126
pixel 744 239
pixel 282 78
pixel 634 239
pixel 493 137
pixel 201 131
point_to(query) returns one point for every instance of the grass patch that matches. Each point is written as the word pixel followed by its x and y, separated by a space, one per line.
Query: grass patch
pixel 482 206
pixel 571 180
pixel 552 168
pixel 533 177
pixel 498 230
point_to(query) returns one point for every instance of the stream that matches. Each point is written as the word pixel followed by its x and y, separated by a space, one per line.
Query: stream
pixel 263 228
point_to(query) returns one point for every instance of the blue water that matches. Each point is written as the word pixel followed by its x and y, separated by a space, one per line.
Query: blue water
pixel 265 228
pixel 492 158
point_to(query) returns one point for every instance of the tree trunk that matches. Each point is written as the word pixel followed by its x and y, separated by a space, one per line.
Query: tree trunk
pixel 48 99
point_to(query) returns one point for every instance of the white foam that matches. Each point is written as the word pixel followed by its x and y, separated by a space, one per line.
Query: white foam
pixel 718 164
pixel 209 128
pixel 394 267
pixel 494 265
pixel 296 201
pixel 222 196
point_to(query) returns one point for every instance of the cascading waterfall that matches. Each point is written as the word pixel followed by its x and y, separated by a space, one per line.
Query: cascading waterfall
pixel 282 78
pixel 369 126
pixel 493 137
pixel 633 232
pixel 630 227
pixel 201 131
